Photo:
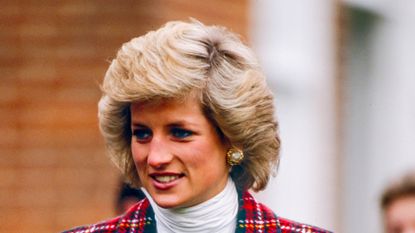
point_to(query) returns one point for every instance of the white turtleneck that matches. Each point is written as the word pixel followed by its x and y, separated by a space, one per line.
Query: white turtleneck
pixel 217 214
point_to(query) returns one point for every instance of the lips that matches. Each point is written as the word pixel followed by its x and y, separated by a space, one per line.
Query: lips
pixel 165 180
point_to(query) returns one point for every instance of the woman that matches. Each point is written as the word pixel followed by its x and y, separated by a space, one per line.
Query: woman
pixel 187 115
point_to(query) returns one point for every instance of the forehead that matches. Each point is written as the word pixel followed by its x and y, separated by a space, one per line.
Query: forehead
pixel 167 107
pixel 193 97
pixel 401 211
pixel 155 102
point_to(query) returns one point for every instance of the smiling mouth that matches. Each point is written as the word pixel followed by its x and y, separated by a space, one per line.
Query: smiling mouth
pixel 166 178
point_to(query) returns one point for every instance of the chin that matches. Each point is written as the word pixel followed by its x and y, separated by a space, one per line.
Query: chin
pixel 168 202
pixel 167 205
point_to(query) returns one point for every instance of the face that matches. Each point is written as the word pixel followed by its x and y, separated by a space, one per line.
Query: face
pixel 178 153
pixel 400 216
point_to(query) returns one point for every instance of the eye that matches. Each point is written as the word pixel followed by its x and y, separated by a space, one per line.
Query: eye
pixel 180 133
pixel 142 134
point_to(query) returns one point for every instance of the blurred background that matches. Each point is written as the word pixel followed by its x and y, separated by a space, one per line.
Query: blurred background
pixel 342 73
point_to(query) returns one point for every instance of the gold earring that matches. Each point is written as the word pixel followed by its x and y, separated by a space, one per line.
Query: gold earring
pixel 234 156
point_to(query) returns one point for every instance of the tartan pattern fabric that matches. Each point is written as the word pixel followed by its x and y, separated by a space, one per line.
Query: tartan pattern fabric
pixel 138 219
pixel 253 217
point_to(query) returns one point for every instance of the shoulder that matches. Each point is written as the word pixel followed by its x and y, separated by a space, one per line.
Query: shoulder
pixel 291 226
pixel 256 217
pixel 137 218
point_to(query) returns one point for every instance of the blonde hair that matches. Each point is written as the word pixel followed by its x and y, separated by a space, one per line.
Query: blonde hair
pixel 182 58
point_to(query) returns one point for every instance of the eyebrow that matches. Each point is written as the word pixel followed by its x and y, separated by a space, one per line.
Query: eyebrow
pixel 138 124
pixel 179 123
pixel 183 123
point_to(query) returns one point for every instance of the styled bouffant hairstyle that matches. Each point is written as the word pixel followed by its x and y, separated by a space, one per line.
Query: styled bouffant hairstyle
pixel 404 187
pixel 181 59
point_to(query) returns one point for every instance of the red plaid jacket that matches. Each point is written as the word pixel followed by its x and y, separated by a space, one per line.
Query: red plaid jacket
pixel 253 217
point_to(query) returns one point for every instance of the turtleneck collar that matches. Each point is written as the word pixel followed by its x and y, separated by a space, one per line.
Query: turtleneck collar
pixel 217 214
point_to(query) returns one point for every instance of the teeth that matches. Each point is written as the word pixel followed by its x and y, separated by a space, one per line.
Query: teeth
pixel 166 179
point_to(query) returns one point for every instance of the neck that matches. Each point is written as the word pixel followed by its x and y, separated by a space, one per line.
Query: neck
pixel 217 214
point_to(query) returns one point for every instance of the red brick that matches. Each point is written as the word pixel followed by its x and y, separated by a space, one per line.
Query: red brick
pixel 10 136
pixel 9 157
pixel 8 177
pixel 53 54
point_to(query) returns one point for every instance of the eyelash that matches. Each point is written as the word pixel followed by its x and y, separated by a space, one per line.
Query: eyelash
pixel 144 135
pixel 180 133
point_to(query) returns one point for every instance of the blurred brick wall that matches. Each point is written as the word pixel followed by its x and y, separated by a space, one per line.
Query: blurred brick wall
pixel 54 173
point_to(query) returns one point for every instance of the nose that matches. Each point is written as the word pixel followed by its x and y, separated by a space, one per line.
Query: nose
pixel 158 155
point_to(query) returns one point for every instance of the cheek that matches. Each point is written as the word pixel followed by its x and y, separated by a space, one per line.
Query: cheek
pixel 206 155
pixel 138 153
